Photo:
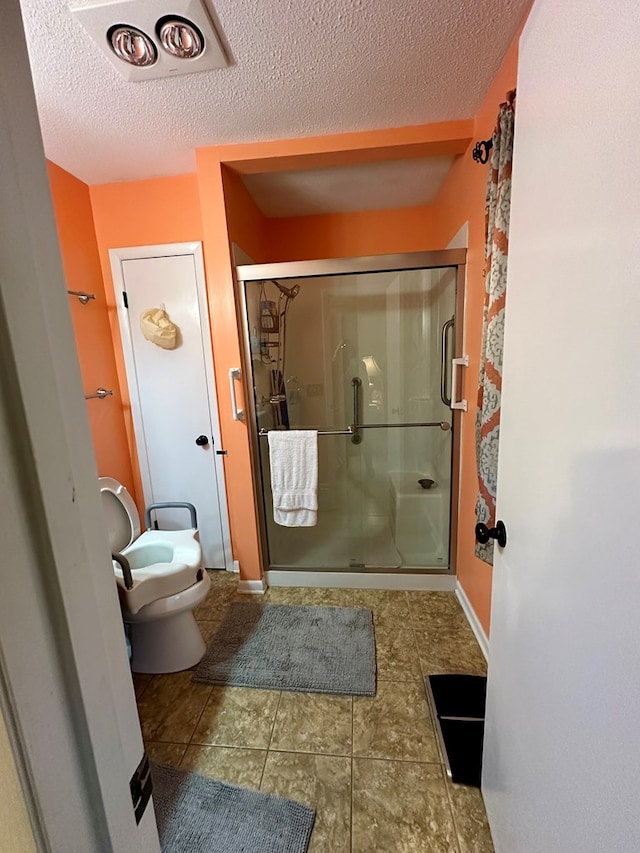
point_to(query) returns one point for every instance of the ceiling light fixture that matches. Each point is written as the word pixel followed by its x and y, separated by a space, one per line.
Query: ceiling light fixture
pixel 180 38
pixel 131 45
pixel 151 39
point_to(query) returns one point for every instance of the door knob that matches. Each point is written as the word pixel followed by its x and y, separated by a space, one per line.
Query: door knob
pixel 499 533
pixel 202 440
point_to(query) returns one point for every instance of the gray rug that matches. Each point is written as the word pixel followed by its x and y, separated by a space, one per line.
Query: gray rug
pixel 286 647
pixel 200 815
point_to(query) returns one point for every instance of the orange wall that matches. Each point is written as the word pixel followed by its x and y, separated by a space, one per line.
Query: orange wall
pixel 168 210
pixel 245 223
pixel 230 215
pixel 351 235
pixel 72 207
pixel 140 213
pixel 462 199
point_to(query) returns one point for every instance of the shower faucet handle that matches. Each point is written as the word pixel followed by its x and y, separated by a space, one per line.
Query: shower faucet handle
pixel 499 533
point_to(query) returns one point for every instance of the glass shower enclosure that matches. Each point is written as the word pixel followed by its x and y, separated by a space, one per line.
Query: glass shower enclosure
pixel 360 350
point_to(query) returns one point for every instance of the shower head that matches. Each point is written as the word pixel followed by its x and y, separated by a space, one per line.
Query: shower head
pixel 289 292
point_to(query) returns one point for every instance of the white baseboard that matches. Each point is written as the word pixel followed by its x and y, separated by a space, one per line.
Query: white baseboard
pixel 476 627
pixel 252 587
pixel 361 580
pixel 236 567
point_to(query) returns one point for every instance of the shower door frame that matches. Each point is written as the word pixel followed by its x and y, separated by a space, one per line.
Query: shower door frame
pixel 452 258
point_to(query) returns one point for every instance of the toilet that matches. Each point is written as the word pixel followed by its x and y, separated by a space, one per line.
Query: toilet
pixel 169 581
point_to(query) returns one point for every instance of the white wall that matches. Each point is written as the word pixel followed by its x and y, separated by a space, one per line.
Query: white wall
pixel 562 745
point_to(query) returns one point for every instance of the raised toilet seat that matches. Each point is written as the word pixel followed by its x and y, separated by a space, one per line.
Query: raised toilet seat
pixel 168 582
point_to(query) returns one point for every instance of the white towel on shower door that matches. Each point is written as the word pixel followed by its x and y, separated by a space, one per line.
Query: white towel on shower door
pixel 293 456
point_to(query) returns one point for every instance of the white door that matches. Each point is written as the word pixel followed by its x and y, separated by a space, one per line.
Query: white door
pixel 66 693
pixel 562 748
pixel 172 391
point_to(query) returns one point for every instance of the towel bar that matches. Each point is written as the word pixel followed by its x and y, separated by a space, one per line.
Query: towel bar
pixel 100 394
pixel 347 431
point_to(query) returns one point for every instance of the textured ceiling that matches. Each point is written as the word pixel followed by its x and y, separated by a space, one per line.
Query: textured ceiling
pixel 373 186
pixel 298 68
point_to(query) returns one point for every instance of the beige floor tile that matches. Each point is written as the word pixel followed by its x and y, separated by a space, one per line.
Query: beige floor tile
pixel 322 782
pixel 223 579
pixel 394 724
pixel 236 766
pixel 140 682
pixel 171 706
pixel 165 753
pixel 310 596
pixel 450 650
pixel 389 607
pixel 430 609
pixel 313 722
pixel 470 818
pixel 400 807
pixel 215 605
pixel 396 654
pixel 237 716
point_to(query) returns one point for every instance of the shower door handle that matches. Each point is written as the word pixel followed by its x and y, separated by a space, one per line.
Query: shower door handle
pixel 235 374
pixel 356 437
pixel 463 361
pixel 444 361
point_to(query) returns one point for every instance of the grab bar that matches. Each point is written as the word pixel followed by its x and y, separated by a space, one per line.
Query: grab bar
pixel 444 426
pixel 353 429
pixel 444 361
pixel 347 431
pixel 235 374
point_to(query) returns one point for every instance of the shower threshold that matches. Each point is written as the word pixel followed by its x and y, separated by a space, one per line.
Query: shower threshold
pixel 360 568
pixel 428 580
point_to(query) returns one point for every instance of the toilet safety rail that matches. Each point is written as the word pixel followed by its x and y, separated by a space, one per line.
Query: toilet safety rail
pixel 122 561
pixel 171 505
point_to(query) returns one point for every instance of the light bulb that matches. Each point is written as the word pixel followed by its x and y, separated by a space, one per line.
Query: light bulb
pixel 180 38
pixel 132 45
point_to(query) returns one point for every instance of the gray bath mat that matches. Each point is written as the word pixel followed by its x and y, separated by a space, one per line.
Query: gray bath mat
pixel 286 647
pixel 200 815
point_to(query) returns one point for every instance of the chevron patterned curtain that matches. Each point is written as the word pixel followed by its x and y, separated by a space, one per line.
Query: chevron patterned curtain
pixel 498 208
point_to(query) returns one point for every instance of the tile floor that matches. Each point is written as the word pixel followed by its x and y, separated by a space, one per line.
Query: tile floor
pixel 371 767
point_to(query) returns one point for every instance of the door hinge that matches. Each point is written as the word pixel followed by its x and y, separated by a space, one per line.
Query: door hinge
pixel 141 787
pixel 124 299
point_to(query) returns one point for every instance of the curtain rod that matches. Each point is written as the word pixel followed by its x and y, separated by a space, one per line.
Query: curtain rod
pixel 481 149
